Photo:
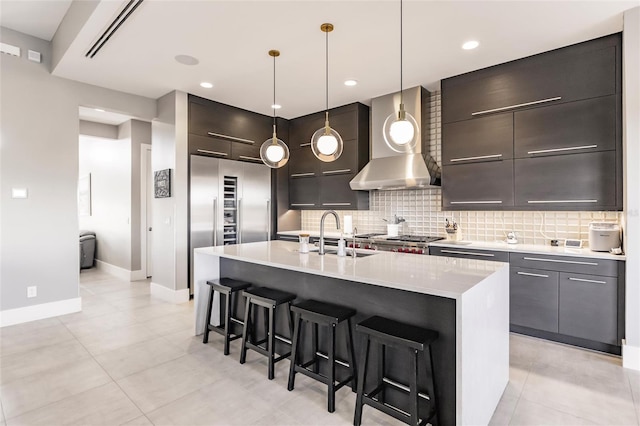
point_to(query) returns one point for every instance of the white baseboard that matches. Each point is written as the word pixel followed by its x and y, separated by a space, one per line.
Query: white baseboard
pixel 123 274
pixel 41 311
pixel 169 295
pixel 630 356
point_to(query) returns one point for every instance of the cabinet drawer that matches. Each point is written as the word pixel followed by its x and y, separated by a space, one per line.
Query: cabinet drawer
pixel 534 299
pixel 211 147
pixel 303 194
pixel 549 78
pixel 465 253
pixel 303 164
pixel 570 264
pixel 481 139
pixel 576 127
pixel 478 186
pixel 589 307
pixel 580 181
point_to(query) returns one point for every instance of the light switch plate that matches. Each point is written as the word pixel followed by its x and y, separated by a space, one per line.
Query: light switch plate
pixel 34 56
pixel 19 193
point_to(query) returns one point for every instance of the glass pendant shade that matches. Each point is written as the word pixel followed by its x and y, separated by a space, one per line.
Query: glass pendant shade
pixel 401 132
pixel 274 152
pixel 326 144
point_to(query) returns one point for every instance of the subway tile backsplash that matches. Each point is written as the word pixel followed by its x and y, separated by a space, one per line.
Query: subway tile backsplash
pixel 422 211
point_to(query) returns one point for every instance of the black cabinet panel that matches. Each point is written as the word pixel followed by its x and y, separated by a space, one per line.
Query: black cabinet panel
pixel 570 128
pixel 588 307
pixel 479 139
pixel 301 130
pixel 563 75
pixel 246 152
pixel 578 265
pixel 467 253
pixel 534 299
pixel 346 163
pixel 209 146
pixel 302 163
pixel 580 181
pixel 335 193
pixel 478 186
pixel 303 193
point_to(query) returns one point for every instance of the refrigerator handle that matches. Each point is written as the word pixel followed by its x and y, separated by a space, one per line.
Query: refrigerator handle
pixel 239 220
pixel 268 219
pixel 215 221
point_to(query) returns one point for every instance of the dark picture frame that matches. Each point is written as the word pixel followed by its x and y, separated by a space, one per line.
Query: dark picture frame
pixel 162 183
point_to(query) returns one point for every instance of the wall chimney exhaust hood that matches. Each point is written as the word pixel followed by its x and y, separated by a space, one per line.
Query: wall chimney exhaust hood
pixel 389 169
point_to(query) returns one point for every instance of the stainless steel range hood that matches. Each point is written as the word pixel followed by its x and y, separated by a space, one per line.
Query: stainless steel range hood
pixel 388 169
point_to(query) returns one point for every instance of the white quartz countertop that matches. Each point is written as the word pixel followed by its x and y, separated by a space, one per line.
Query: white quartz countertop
pixel 527 248
pixel 435 275
pixel 496 245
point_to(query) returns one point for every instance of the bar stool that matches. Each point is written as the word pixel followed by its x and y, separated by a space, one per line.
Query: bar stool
pixel 386 332
pixel 331 316
pixel 229 287
pixel 269 299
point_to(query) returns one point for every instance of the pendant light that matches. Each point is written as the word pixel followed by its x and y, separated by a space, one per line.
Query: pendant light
pixel 326 143
pixel 401 131
pixel 274 152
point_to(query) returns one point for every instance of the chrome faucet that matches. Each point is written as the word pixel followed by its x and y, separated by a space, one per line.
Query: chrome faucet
pixel 324 215
pixel 353 250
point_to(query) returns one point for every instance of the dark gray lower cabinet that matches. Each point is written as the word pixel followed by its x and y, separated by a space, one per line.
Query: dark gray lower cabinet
pixel 534 299
pixel 467 253
pixel 478 186
pixel 588 307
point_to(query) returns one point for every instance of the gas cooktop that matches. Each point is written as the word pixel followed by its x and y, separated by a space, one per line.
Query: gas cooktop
pixel 414 238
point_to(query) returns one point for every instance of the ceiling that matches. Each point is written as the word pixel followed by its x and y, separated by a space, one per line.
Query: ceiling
pixel 39 18
pixel 102 116
pixel 231 40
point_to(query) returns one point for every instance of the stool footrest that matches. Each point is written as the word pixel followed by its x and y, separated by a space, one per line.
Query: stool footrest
pixel 265 352
pixel 237 321
pixel 220 330
pixel 337 361
pixel 321 378
pixel 404 388
pixel 391 410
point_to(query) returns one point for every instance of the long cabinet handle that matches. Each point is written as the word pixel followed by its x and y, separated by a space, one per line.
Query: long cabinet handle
pixel 573 262
pixel 330 172
pixel 528 274
pixel 569 148
pixel 206 151
pixel 541 101
pixel 587 281
pixel 244 157
pixel 215 221
pixel 303 204
pixel 302 174
pixel 476 202
pixel 467 252
pixel 336 204
pixel 302 145
pixel 233 138
pixel 480 157
pixel 560 201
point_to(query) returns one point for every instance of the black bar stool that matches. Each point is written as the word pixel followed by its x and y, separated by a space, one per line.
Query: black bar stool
pixel 270 299
pixel 329 315
pixel 386 332
pixel 229 287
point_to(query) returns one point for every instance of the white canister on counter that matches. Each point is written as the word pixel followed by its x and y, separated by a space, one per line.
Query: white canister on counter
pixel 304 243
pixel 393 230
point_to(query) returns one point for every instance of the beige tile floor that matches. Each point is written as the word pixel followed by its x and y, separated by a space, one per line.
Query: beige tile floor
pixel 129 359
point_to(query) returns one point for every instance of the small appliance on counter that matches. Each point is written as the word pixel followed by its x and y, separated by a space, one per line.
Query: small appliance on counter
pixel 604 236
pixel 512 238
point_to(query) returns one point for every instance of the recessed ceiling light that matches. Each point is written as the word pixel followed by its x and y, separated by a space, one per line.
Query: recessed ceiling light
pixel 187 60
pixel 472 44
pixel 350 82
pixel 206 85
pixel 99 109
pixel 276 106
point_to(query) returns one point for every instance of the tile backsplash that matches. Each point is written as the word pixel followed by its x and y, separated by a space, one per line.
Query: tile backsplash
pixel 421 209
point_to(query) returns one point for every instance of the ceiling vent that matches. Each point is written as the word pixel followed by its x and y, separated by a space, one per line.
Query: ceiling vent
pixel 124 14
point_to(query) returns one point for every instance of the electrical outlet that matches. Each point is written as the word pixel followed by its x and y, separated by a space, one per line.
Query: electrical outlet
pixel 32 291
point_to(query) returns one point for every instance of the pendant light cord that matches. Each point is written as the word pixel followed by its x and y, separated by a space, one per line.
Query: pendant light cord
pixel 326 73
pixel 401 100
pixel 274 94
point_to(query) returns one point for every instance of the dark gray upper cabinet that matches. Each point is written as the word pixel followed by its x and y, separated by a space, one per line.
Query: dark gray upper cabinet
pixel 575 127
pixel 328 183
pixel 480 139
pixel 223 125
pixel 580 71
pixel 572 182
pixel 563 106
pixel 478 186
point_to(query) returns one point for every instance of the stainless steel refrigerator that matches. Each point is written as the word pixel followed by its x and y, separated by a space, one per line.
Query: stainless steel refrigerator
pixel 230 203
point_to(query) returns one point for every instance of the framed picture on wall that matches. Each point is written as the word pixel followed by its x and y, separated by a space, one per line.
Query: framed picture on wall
pixel 162 183
pixel 84 195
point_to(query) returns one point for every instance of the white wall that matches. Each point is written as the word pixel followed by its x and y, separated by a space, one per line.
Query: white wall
pixel 109 162
pixel 631 135
pixel 39 128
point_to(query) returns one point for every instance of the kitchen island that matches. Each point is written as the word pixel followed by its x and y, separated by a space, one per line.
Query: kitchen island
pixel 466 301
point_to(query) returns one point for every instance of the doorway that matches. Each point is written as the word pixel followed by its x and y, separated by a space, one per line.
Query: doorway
pixel 146 210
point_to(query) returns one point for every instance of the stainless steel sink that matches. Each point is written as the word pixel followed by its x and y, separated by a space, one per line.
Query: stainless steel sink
pixel 358 254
